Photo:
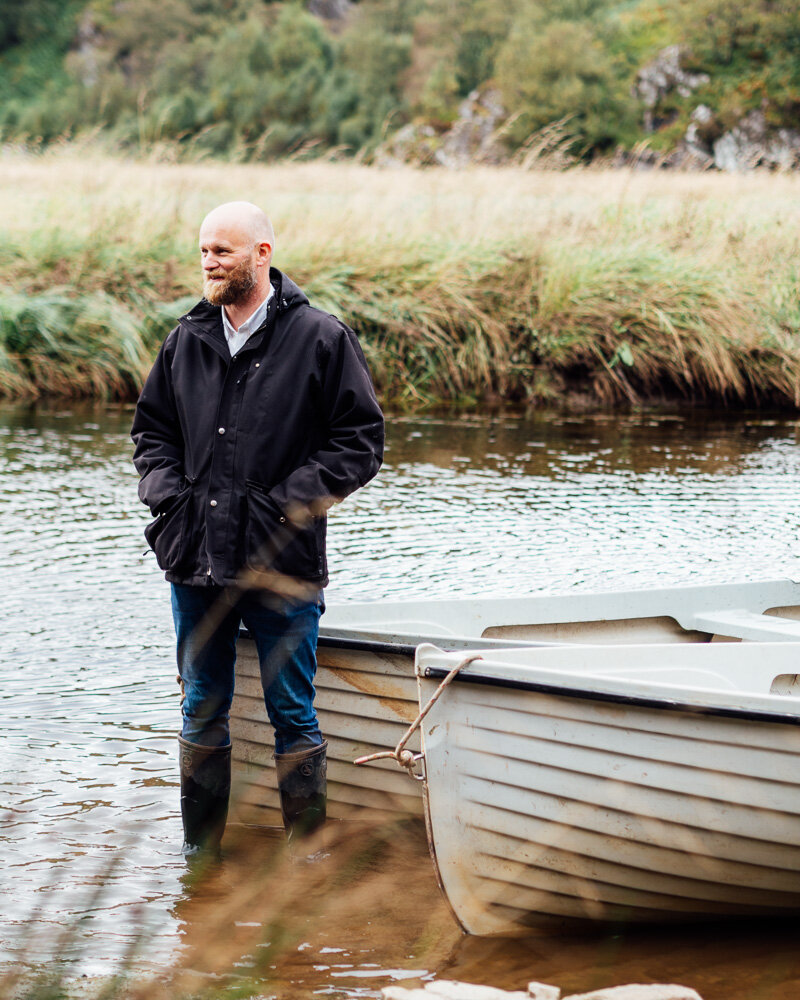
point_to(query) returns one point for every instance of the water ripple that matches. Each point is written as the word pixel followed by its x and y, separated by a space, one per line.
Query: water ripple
pixel 462 507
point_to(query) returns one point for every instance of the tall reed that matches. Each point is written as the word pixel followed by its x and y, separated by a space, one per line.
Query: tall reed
pixel 473 286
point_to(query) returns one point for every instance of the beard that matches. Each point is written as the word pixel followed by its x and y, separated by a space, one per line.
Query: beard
pixel 235 286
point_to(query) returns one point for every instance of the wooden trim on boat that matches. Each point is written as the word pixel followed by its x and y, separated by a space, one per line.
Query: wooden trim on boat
pixel 667 704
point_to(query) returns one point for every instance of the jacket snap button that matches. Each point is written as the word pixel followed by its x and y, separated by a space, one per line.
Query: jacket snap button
pixel 213 503
pixel 283 520
pixel 258 364
pixel 221 430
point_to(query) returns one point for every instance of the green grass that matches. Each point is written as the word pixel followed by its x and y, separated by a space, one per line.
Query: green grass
pixel 468 287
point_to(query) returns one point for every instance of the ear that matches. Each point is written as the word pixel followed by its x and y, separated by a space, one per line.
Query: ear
pixel 264 252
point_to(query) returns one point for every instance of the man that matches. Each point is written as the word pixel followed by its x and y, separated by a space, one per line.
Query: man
pixel 257 416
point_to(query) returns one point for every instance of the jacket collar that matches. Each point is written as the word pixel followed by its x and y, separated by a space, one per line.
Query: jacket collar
pixel 205 320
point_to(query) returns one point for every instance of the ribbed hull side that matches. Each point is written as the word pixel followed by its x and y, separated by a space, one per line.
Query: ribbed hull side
pixel 562 807
pixel 365 702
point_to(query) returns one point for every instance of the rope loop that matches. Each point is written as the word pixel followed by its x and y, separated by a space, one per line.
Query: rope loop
pixel 406 758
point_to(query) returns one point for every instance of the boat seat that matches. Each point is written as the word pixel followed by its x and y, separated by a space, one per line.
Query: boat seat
pixel 738 623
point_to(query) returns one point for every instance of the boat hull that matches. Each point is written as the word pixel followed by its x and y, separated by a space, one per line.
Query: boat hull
pixel 367 689
pixel 551 806
pixel 365 700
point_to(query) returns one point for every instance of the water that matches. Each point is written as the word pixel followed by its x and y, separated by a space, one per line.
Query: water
pixel 463 506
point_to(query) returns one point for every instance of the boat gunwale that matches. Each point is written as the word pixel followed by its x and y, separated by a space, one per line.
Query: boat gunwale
pixel 449 644
pixel 619 698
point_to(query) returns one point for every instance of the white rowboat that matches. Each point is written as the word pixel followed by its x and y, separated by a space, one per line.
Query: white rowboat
pixel 618 783
pixel 367 691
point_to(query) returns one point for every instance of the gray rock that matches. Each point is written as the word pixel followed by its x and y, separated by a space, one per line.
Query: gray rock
pixel 448 989
pixel 473 136
pixel 753 143
pixel 683 157
pixel 663 75
pixel 688 156
pixel 656 991
pixel 701 121
pixel 543 991
pixel 330 10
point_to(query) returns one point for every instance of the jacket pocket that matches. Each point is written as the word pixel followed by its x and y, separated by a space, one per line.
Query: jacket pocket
pixel 272 542
pixel 167 535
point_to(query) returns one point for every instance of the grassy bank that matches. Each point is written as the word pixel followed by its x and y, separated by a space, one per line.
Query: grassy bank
pixel 487 284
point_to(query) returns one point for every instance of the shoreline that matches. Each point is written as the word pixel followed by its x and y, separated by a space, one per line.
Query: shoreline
pixel 586 288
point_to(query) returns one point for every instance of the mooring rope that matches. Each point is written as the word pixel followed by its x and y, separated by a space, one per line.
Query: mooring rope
pixel 406 758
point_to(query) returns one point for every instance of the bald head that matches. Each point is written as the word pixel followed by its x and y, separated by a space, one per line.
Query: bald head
pixel 243 217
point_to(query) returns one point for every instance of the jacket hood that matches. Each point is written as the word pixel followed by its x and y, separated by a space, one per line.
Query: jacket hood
pixel 287 294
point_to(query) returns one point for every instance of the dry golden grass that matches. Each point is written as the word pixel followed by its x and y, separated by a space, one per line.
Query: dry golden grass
pixel 335 205
pixel 479 284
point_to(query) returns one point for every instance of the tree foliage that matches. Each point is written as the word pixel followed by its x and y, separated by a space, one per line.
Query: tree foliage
pixel 257 79
pixel 557 69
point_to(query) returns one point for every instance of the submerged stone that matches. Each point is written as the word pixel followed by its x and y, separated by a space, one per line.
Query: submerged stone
pixel 543 991
pixel 636 991
pixel 447 989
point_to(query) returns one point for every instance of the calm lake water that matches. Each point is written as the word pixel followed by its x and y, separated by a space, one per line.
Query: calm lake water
pixel 464 506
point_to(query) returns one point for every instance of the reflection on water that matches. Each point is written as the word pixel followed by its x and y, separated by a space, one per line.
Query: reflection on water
pixel 463 506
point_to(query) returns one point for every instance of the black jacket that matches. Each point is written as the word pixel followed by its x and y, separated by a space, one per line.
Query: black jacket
pixel 241 457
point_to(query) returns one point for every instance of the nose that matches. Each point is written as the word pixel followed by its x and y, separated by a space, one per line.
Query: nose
pixel 210 263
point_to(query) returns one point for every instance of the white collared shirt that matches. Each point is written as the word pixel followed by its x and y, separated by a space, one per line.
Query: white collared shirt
pixel 237 338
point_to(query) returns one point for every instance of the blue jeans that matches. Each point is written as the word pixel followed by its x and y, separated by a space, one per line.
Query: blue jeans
pixel 207 622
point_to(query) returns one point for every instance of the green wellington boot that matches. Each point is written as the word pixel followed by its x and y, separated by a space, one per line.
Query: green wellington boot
pixel 302 783
pixel 205 790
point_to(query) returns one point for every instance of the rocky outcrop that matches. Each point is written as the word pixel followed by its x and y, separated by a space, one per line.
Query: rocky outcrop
pixel 700 135
pixel 472 138
pixel 475 137
pixel 644 158
pixel 662 76
pixel 749 144
pixel 752 143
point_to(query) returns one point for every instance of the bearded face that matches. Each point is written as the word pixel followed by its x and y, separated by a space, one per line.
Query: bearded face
pixel 226 288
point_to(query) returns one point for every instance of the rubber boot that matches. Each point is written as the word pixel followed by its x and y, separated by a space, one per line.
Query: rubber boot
pixel 205 790
pixel 302 783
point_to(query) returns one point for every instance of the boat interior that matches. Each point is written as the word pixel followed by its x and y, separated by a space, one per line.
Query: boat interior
pixel 767 611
